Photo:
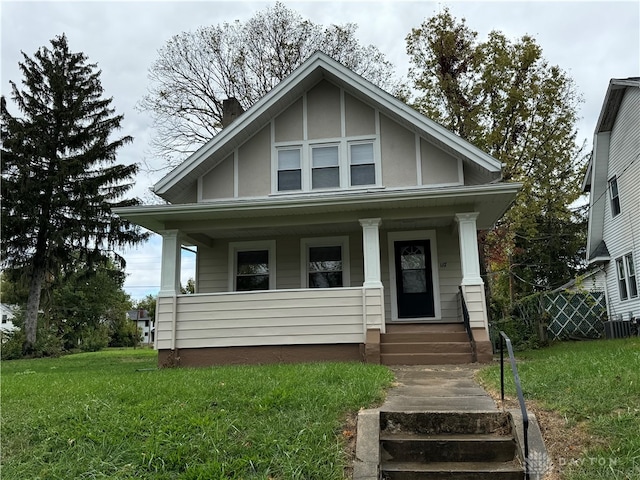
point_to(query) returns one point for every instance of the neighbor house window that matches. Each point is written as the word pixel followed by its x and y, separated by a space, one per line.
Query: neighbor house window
pixel 627 283
pixel 251 265
pixel 289 169
pixel 362 164
pixel 325 167
pixel 615 198
pixel 326 262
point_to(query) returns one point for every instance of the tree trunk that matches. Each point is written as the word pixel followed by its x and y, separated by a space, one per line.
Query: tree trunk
pixel 33 304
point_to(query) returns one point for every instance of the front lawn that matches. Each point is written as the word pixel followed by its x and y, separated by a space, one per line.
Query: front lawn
pixel 112 415
pixel 594 387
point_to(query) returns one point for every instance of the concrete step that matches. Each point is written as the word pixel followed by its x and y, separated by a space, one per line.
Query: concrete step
pixel 430 347
pixel 403 327
pixel 425 358
pixel 412 447
pixel 424 337
pixel 439 423
pixel 452 470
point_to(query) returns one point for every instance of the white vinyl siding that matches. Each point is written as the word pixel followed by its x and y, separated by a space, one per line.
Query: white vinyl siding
pixel 620 233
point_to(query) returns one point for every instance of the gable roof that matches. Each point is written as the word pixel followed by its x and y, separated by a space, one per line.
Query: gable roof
pixel 608 114
pixel 174 186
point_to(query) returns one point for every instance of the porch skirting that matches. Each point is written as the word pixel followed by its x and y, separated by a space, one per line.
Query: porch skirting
pixel 254 355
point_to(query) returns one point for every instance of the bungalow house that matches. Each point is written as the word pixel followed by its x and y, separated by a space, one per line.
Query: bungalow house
pixel 612 180
pixel 331 222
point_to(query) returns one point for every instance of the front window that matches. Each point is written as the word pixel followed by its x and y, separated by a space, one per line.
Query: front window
pixel 627 283
pixel 362 164
pixel 614 196
pixel 325 172
pixel 252 271
pixel 325 262
pixel 325 267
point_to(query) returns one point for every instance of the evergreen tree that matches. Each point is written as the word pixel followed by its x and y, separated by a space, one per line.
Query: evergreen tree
pixel 506 99
pixel 59 177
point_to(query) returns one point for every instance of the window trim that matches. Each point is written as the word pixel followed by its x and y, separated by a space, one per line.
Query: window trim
pixel 614 201
pixel 251 246
pixel 624 263
pixel 341 241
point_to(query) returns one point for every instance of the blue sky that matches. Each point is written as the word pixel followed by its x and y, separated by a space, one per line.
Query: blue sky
pixel 593 41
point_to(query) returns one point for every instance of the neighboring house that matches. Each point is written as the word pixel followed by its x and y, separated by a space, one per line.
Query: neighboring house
pixel 594 280
pixel 613 182
pixel 145 323
pixel 323 216
pixel 7 312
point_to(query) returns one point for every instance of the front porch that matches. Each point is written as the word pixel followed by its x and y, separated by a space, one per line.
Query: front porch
pixel 262 269
pixel 291 321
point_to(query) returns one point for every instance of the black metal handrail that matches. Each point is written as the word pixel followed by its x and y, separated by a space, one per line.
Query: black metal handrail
pixel 467 326
pixel 516 378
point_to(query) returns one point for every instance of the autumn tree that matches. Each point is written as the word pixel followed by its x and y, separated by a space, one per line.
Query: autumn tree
pixel 503 96
pixel 59 176
pixel 196 71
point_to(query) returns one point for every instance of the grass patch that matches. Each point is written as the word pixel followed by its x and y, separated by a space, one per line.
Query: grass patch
pixel 595 386
pixel 111 415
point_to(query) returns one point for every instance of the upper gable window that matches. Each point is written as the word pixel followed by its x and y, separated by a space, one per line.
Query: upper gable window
pixel 362 164
pixel 325 167
pixel 289 169
pixel 614 196
pixel 340 163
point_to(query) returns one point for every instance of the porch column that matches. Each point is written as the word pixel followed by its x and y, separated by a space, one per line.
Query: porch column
pixel 371 249
pixel 170 267
pixel 469 256
pixel 372 290
pixel 473 285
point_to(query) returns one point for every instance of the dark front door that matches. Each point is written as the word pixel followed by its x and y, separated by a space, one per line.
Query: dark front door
pixel 414 283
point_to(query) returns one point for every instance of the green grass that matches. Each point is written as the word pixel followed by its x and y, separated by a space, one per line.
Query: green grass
pixel 596 383
pixel 112 415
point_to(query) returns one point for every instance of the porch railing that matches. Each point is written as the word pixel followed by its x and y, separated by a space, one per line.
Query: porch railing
pixel 467 326
pixel 272 317
pixel 523 408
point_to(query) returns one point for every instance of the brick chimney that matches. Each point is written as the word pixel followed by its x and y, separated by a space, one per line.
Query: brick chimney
pixel 231 109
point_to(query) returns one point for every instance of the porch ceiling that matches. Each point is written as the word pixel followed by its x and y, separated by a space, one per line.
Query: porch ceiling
pixel 331 213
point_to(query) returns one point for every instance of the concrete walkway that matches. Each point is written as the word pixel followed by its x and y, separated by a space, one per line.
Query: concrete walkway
pixel 437 388
pixel 419 388
pixel 431 388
